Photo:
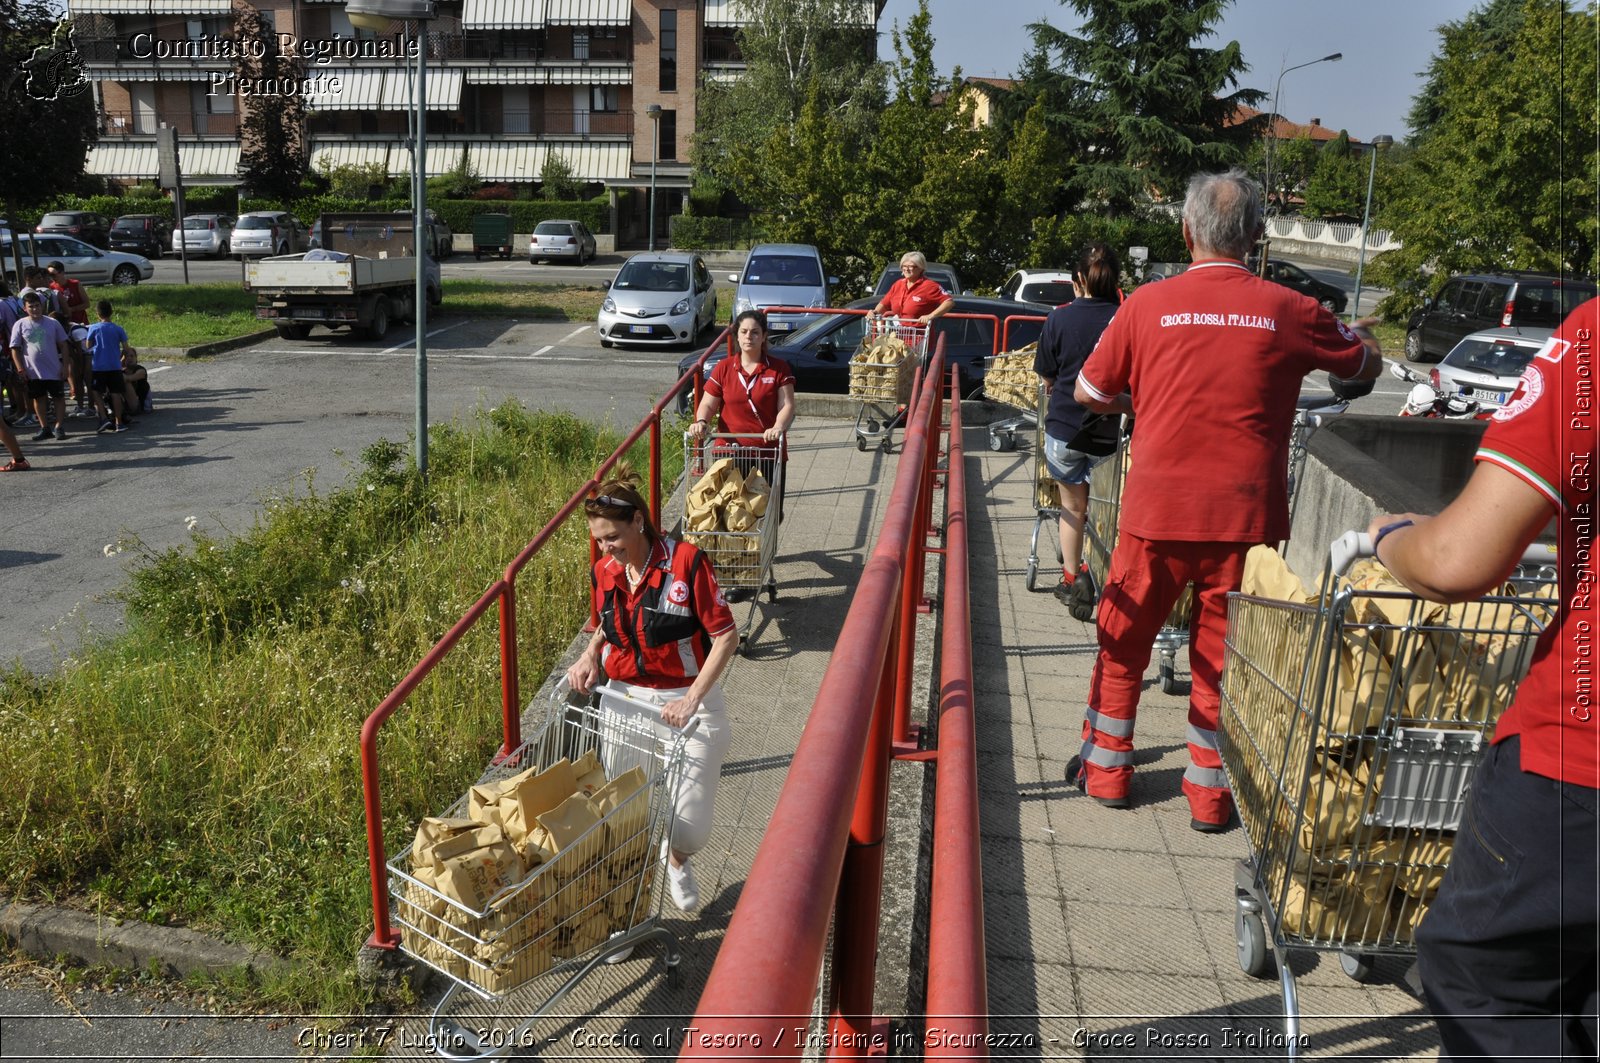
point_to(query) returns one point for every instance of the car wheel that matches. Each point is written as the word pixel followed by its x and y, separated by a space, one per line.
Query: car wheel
pixel 1332 305
pixel 295 331
pixel 1414 346
pixel 125 274
pixel 380 320
pixel 222 252
pixel 605 342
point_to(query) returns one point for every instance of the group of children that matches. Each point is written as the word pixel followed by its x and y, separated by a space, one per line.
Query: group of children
pixel 53 354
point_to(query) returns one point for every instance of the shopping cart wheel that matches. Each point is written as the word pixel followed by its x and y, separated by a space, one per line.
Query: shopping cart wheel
pixel 772 592
pixel 1357 965
pixel 861 443
pixel 743 649
pixel 1033 572
pixel 1254 959
pixel 1003 442
pixel 873 427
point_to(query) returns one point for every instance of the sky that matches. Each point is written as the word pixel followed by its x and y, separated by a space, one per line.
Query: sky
pixel 1386 46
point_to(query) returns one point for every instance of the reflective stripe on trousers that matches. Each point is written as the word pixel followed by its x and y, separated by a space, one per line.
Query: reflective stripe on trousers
pixel 1146 579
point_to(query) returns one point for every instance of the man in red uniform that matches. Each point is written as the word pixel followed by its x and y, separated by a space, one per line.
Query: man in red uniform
pixel 1213 360
pixel 915 296
pixel 1508 951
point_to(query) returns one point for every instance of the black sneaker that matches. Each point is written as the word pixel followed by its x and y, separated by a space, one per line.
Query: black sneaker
pixel 1211 828
pixel 61 433
pixel 1063 592
pixel 1081 597
pixel 1077 776
pixel 41 435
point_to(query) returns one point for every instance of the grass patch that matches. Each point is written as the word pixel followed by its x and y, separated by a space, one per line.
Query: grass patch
pixel 203 768
pixel 497 299
pixel 181 315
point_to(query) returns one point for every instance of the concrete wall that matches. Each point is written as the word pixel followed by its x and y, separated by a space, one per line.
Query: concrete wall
pixel 1341 241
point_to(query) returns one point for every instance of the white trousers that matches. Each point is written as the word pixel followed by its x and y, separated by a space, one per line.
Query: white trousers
pixel 702 754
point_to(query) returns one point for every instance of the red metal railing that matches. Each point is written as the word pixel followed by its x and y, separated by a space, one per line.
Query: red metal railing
pixel 502 592
pixel 1005 332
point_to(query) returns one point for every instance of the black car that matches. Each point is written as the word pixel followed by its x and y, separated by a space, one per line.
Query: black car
pixel 142 234
pixel 1292 276
pixel 1474 302
pixel 86 225
pixel 820 352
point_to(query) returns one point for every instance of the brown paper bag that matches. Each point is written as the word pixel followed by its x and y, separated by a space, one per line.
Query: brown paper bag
pixel 568 821
pixel 757 492
pixel 430 832
pixel 535 794
pixel 474 866
pixel 1267 575
pixel 736 515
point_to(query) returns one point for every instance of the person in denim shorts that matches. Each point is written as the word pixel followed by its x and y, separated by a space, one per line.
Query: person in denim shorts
pixel 1075 440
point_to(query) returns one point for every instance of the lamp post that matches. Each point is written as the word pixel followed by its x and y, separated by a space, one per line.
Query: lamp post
pixel 654 113
pixel 1272 119
pixel 376 15
pixel 1379 143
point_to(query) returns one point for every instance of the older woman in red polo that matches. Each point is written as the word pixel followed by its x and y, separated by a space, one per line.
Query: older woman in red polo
pixel 665 635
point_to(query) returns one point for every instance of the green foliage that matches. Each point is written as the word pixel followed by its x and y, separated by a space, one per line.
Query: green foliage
pixel 1338 184
pixel 525 213
pixel 272 152
pixel 458 182
pixel 47 113
pixel 1057 242
pixel 203 768
pixel 558 180
pixel 692 232
pixel 1503 176
pixel 1154 107
pixel 353 180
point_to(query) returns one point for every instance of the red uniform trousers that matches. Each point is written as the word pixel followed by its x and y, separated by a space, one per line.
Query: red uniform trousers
pixel 1146 578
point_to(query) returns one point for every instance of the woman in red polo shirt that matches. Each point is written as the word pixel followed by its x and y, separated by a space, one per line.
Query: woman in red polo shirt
pixel 664 637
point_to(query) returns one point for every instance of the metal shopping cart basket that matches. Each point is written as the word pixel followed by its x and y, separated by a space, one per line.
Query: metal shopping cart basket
pixel 1046 502
pixel 735 528
pixel 1009 379
pixel 1350 729
pixel 1100 538
pixel 880 377
pixel 594 896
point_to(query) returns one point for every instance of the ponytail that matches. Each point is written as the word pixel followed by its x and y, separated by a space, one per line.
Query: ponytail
pixel 1098 272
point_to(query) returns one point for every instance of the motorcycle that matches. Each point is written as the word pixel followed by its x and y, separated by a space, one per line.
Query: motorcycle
pixel 1429 398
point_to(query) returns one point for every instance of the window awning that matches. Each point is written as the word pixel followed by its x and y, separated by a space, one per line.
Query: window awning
pixel 588 12
pixel 524 160
pixel 149 7
pixel 360 89
pixel 356 153
pixel 503 15
pixel 198 159
pixel 589 74
pixel 129 74
pixel 731 13
pixel 444 90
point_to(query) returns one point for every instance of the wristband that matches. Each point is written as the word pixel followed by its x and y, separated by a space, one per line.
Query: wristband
pixel 1384 531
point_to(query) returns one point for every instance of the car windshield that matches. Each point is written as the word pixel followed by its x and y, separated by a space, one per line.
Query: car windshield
pixel 813 329
pixel 199 223
pixel 255 223
pixel 1495 357
pixel 653 277
pixel 59 219
pixel 552 228
pixel 127 224
pixel 783 271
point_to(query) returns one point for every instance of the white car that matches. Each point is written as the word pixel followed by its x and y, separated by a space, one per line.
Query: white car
pixel 88 264
pixel 1485 366
pixel 658 299
pixel 269 232
pixel 1050 286
pixel 204 234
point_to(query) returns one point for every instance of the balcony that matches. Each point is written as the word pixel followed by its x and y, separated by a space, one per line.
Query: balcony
pixel 115 124
pixel 523 48
pixel 563 124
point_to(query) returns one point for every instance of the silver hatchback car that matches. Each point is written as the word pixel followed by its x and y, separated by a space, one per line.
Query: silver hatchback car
pixel 269 232
pixel 782 275
pixel 1485 366
pixel 660 299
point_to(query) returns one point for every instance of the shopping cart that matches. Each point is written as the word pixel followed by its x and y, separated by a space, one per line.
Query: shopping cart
pixel 1349 731
pixel 742 556
pixel 1311 412
pixel 1046 501
pixel 1100 538
pixel 1009 379
pixel 515 959
pixel 880 377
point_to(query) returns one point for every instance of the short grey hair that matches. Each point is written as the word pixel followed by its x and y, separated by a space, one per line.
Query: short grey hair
pixel 1223 212
pixel 916 258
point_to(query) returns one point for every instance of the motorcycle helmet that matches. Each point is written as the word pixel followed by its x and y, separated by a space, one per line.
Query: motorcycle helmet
pixel 1419 401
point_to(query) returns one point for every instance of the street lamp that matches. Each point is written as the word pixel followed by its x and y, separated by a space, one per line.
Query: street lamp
pixel 1379 143
pixel 1272 120
pixel 376 16
pixel 654 113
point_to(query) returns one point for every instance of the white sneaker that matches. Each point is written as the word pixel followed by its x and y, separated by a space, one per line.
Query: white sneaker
pixel 685 890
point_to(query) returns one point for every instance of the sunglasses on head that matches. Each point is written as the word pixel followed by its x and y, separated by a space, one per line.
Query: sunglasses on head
pixel 620 503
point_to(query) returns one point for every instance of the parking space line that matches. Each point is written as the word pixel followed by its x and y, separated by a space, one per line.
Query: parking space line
pixel 157 369
pixel 542 350
pixel 574 333
pixel 429 335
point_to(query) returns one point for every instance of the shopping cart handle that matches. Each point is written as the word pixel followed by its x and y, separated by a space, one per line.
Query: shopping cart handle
pixel 563 688
pixel 1347 549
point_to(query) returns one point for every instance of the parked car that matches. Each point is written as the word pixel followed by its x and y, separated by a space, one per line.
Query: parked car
pixel 1486 366
pixel 87 263
pixel 820 353
pixel 1292 276
pixel 205 234
pixel 561 239
pixel 781 275
pixel 1475 302
pixel 442 239
pixel 658 298
pixel 85 225
pixel 942 272
pixel 1052 286
pixel 141 234
pixel 269 232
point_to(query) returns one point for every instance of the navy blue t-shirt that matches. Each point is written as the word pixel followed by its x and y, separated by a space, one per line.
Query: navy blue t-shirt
pixel 1069 335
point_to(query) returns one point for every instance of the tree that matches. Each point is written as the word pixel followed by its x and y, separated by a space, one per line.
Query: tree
pixel 1503 176
pixel 1337 187
pixel 558 180
pixel 1153 107
pixel 272 150
pixel 790 49
pixel 47 119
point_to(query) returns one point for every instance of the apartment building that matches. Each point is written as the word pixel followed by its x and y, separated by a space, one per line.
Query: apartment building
pixel 609 85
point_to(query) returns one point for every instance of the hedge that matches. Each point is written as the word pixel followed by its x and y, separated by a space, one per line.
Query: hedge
pixel 457 213
pixel 696 233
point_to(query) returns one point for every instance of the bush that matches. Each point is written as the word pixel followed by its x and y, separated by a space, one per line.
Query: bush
pixel 525 213
pixel 694 233
pixel 560 181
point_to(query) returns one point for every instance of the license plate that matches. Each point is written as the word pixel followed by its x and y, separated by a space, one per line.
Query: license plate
pixel 1500 397
pixel 782 326
pixel 639 330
